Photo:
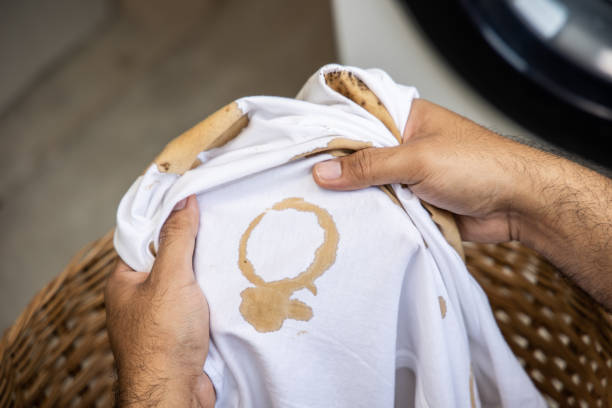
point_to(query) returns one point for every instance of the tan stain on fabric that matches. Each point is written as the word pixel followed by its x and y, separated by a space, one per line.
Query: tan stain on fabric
pixel 217 129
pixel 442 306
pixel 352 87
pixel 472 390
pixel 268 304
pixel 445 221
pixel 344 143
pixel 301 332
pixel 340 152
pixel 338 143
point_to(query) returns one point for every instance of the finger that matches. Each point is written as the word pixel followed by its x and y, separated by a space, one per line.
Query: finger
pixel 122 278
pixel 123 274
pixel 121 267
pixel 116 276
pixel 369 167
pixel 205 392
pixel 174 261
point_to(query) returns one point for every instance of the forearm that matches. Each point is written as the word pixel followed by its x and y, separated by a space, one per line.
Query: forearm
pixel 566 215
pixel 554 206
pixel 153 392
pixel 145 388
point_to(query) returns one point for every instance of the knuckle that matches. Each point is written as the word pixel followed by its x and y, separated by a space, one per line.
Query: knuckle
pixel 361 164
pixel 173 227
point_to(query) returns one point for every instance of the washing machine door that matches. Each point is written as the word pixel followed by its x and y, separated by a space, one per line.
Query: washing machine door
pixel 545 63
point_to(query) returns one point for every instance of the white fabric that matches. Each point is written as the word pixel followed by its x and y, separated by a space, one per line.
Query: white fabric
pixel 376 310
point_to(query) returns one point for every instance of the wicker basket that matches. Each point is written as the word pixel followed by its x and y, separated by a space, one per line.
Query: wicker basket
pixel 57 352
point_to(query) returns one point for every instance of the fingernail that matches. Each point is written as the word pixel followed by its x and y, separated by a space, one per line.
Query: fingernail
pixel 329 170
pixel 180 205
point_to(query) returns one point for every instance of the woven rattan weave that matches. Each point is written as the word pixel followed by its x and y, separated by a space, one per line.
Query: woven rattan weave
pixel 57 352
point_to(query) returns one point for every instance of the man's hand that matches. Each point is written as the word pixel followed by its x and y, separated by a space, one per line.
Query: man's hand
pixel 158 322
pixel 449 162
pixel 498 189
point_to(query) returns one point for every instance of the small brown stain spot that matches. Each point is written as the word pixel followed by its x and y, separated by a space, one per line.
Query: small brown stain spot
pixel 472 390
pixel 165 166
pixel 268 304
pixel 152 249
pixel 362 85
pixel 442 306
pixel 301 332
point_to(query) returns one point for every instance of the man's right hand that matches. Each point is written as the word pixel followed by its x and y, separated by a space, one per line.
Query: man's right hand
pixel 158 322
pixel 499 190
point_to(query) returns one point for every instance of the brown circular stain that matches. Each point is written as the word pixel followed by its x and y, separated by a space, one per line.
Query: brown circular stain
pixel 268 304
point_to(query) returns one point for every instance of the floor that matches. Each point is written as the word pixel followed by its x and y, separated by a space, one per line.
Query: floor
pixel 94 92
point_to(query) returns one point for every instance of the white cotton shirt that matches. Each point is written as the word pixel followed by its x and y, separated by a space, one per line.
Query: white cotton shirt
pixel 384 311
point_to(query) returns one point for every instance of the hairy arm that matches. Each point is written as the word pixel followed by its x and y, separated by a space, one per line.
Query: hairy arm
pixel 566 215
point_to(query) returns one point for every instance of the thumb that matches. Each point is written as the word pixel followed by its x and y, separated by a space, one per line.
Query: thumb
pixel 368 167
pixel 174 261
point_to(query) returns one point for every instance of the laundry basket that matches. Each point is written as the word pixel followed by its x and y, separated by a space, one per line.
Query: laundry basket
pixel 57 352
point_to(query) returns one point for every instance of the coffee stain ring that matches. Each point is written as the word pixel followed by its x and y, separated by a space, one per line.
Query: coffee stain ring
pixel 268 304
